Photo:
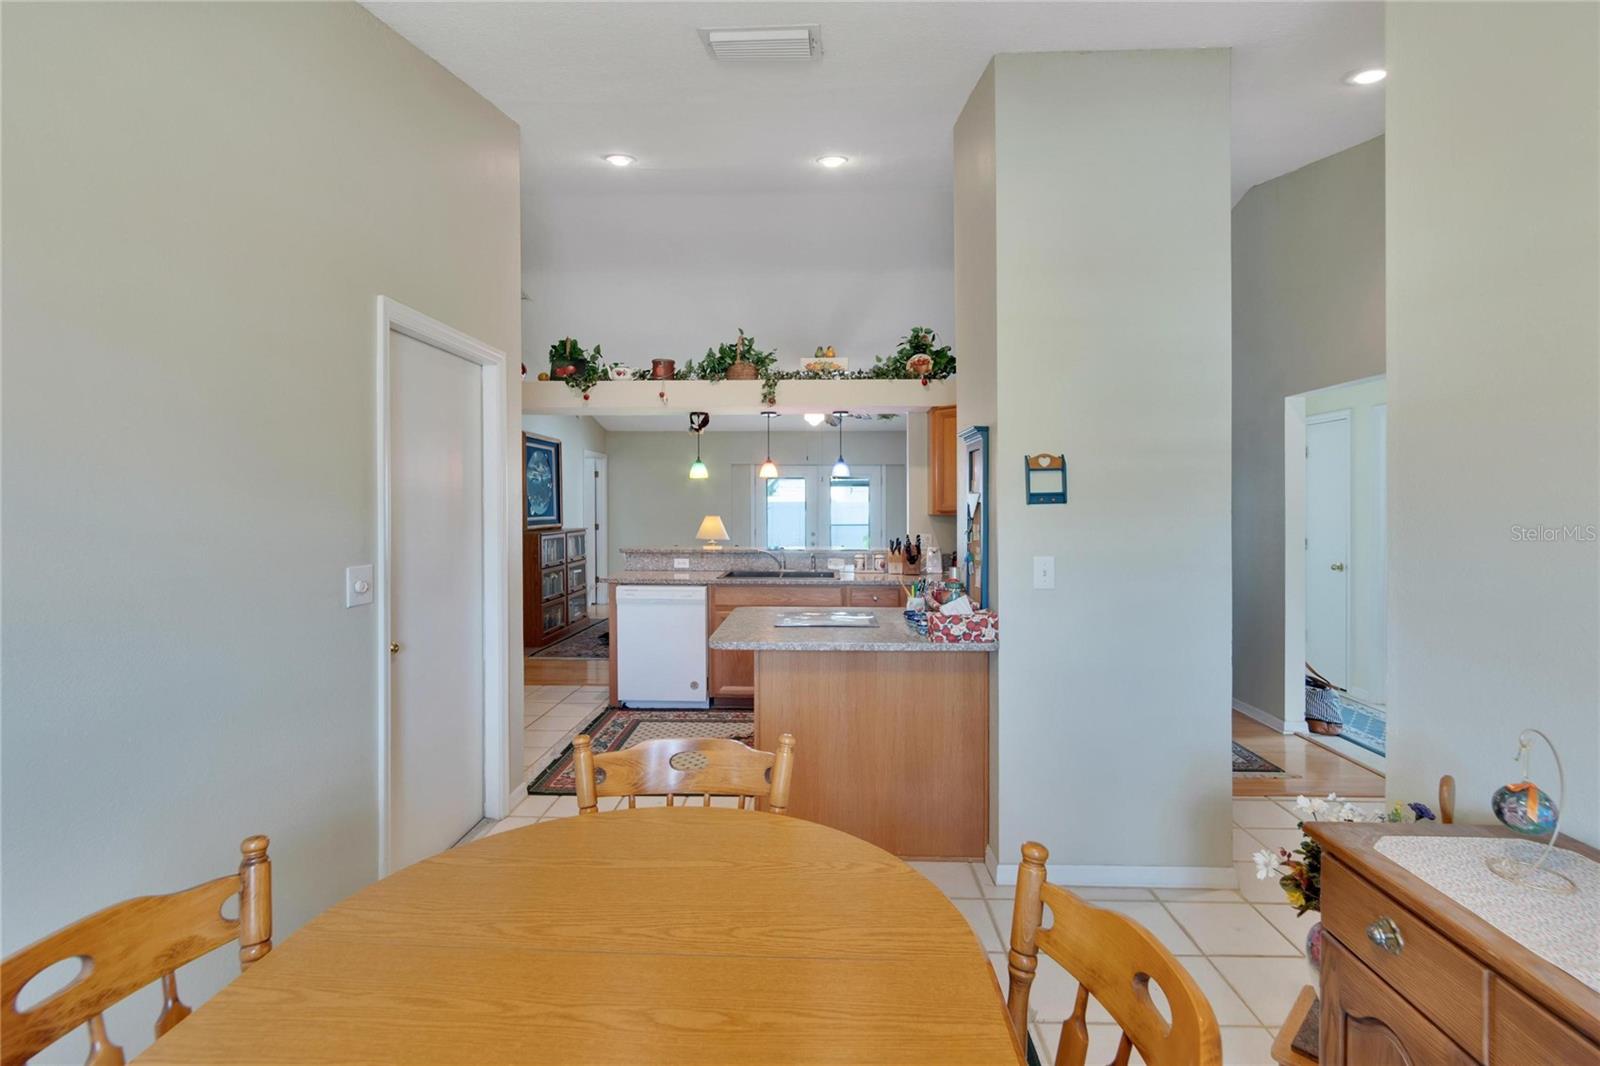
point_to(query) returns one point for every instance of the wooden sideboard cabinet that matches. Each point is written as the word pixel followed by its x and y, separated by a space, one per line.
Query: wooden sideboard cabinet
pixel 1412 978
pixel 555 591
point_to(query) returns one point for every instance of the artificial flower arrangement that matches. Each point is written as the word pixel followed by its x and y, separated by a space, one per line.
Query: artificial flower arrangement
pixel 1300 872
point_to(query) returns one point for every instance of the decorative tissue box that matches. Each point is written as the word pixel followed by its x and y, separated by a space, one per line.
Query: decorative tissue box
pixel 979 627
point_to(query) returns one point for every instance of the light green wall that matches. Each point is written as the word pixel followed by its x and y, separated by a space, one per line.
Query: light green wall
pixel 1367 404
pixel 202 203
pixel 577 434
pixel 1494 397
pixel 1111 310
pixel 1307 314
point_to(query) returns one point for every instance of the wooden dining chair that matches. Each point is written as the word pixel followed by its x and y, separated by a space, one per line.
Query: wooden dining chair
pixel 1115 960
pixel 127 946
pixel 680 769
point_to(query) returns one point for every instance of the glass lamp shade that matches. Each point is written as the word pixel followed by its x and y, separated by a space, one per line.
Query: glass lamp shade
pixel 841 468
pixel 698 471
pixel 769 469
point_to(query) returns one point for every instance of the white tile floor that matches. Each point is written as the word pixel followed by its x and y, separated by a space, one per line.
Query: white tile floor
pixel 551 717
pixel 1243 948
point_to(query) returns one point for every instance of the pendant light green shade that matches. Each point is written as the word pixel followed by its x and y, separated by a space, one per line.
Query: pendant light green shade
pixel 697 469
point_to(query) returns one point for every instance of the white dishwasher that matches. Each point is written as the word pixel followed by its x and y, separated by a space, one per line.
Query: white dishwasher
pixel 660 632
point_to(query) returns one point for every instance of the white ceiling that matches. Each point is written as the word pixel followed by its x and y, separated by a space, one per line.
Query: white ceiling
pixel 584 79
pixel 745 424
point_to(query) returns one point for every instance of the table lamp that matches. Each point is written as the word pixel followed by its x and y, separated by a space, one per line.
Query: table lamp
pixel 711 531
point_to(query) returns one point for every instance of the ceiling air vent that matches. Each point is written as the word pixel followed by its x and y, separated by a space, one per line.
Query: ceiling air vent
pixel 765 43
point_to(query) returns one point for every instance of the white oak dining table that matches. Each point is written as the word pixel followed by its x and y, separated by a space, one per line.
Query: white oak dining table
pixel 655 935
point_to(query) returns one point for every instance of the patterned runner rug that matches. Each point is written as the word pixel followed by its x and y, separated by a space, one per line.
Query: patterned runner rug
pixel 617 728
pixel 1247 763
pixel 591 643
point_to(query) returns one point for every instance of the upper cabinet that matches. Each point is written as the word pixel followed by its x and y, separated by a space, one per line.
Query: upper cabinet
pixel 942 460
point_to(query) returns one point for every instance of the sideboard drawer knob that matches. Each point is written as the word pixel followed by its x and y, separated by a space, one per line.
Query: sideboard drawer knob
pixel 1386 935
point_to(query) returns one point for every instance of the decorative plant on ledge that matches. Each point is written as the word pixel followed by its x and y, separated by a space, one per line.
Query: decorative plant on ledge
pixel 579 369
pixel 741 361
pixel 917 357
pixel 920 356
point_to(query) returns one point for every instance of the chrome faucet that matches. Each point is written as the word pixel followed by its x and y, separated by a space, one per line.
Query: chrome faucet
pixel 775 555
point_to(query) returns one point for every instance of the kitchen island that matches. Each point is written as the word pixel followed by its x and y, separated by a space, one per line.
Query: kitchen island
pixel 891 731
pixel 765 579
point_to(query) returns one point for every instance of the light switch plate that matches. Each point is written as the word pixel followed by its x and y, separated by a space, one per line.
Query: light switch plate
pixel 680 563
pixel 1044 571
pixel 358 585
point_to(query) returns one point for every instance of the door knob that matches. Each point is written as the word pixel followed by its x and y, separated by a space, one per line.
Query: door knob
pixel 1336 566
pixel 394 648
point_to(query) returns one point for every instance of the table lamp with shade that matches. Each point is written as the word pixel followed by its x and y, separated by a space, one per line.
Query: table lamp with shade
pixel 712 531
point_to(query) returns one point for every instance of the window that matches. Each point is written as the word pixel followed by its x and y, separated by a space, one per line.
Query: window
pixel 806 508
pixel 849 513
pixel 785 511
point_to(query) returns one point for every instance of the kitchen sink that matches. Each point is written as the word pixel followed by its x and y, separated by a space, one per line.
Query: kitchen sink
pixel 785 574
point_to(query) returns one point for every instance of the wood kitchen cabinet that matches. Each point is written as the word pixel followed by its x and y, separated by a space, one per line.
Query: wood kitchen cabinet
pixel 943 477
pixel 875 595
pixel 733 673
pixel 1409 976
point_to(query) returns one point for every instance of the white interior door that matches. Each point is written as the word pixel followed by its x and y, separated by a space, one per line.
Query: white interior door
pixel 436 599
pixel 1328 545
pixel 594 520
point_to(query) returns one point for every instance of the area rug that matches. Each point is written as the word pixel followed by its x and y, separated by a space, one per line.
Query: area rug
pixel 1247 763
pixel 616 728
pixel 592 643
pixel 1364 725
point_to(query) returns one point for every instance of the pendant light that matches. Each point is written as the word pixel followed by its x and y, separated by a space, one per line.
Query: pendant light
pixel 698 420
pixel 841 468
pixel 769 469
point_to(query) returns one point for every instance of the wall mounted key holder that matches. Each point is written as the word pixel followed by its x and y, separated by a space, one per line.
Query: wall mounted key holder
pixel 1047 478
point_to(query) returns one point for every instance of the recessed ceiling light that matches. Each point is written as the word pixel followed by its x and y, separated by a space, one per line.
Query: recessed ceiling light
pixel 1366 77
pixel 618 159
pixel 833 161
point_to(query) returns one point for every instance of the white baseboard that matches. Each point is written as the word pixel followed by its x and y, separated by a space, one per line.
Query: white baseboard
pixel 1122 876
pixel 1271 721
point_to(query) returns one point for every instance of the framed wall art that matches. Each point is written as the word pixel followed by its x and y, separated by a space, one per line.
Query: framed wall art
pixel 541 481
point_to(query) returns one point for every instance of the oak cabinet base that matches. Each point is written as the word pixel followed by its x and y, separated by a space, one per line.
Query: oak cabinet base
pixel 890 747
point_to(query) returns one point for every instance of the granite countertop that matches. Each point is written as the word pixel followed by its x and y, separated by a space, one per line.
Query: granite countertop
pixel 752 629
pixel 714 577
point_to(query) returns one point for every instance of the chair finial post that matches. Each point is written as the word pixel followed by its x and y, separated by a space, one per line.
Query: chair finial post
pixel 782 771
pixel 255 900
pixel 583 773
pixel 1022 961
